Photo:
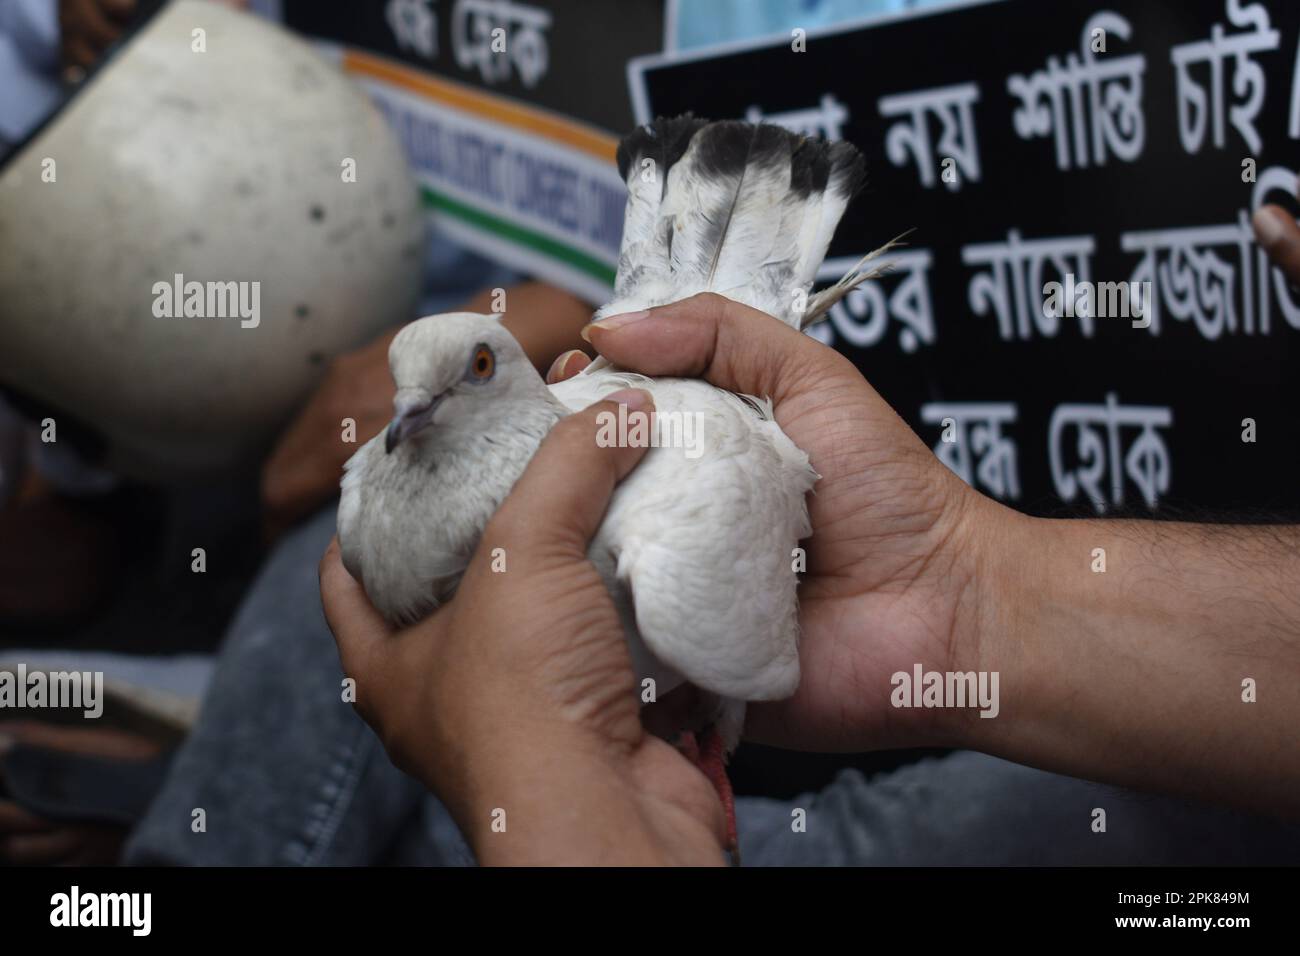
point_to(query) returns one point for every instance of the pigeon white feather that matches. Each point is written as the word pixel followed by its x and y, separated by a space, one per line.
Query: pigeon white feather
pixel 696 545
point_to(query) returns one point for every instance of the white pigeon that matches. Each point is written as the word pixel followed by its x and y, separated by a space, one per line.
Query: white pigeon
pixel 697 545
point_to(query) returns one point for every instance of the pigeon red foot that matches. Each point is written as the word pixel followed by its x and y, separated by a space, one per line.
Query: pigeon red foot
pixel 710 757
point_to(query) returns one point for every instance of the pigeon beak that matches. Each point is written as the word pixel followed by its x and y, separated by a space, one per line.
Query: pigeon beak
pixel 413 413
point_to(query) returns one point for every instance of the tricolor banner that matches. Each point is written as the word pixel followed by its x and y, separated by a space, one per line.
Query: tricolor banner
pixel 510 114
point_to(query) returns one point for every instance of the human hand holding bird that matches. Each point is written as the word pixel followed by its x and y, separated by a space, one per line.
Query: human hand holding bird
pixel 699 550
pixel 516 701
pixel 491 695
pixel 897 549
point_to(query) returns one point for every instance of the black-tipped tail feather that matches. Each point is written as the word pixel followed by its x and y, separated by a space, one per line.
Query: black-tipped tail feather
pixel 745 210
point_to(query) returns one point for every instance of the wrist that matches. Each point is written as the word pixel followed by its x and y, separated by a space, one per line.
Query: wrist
pixel 1010 559
pixel 566 799
pixel 1047 615
pixel 539 799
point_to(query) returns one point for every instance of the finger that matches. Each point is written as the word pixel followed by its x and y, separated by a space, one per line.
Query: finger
pixel 711 337
pixel 299 478
pixel 359 630
pixel 306 464
pixel 561 497
pixel 96 27
pixel 31 849
pixel 14 819
pixel 1279 236
pixel 107 742
pixel 78 54
pixel 119 10
pixel 567 365
pixel 100 846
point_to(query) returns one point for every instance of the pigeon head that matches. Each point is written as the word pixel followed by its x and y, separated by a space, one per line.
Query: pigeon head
pixel 458 366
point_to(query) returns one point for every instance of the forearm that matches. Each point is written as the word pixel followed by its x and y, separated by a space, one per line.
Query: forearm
pixel 1137 674
pixel 545 320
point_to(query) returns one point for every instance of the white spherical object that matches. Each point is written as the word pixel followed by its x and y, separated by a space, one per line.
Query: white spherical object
pixel 227 166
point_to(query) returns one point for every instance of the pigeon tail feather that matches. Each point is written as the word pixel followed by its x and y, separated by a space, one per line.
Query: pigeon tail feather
pixel 819 306
pixel 741 209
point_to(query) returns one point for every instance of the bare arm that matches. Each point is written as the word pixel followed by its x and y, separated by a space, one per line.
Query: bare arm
pixel 1175 669
pixel 1133 675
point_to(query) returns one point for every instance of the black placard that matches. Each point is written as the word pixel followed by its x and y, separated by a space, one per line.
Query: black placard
pixel 1085 413
pixel 575 49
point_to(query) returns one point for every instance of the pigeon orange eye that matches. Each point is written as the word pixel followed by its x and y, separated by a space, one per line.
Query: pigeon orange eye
pixel 483 364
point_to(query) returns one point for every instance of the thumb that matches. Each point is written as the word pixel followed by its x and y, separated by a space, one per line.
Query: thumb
pixel 561 498
pixel 722 341
pixel 1279 236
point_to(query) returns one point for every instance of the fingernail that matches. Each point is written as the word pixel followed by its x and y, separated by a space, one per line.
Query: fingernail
pixel 614 322
pixel 634 398
pixel 1268 226
pixel 561 364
